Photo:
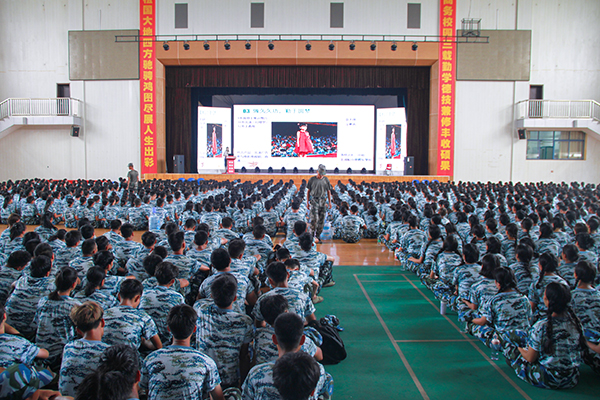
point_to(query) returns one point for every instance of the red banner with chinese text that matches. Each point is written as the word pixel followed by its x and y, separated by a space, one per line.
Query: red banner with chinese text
pixel 148 87
pixel 447 87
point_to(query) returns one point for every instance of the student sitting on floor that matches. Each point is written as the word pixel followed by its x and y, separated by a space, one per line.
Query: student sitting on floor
pixel 81 357
pixel 178 371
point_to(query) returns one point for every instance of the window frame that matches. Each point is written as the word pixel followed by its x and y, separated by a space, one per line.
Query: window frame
pixel 534 136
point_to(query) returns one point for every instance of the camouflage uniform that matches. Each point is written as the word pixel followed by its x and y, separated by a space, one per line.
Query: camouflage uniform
pixel 80 358
pixel 548 245
pixel 259 384
pixel 266 351
pixel 244 288
pixel 270 221
pixel 551 371
pixel 536 294
pixel 127 325
pixel 213 219
pixel 126 250
pixel 8 276
pixel 187 266
pixel 524 279
pixel 54 326
pixel 352 226
pixel 298 302
pixel 221 334
pixel 567 272
pixel 289 220
pixel 318 203
pixel 586 305
pixel 179 373
pixel 22 303
pixel 157 301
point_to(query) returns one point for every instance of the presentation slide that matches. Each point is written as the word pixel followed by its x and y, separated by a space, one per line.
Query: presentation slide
pixel 214 137
pixel 391 140
pixel 304 136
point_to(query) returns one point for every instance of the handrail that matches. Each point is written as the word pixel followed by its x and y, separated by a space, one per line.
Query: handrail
pixel 572 109
pixel 60 106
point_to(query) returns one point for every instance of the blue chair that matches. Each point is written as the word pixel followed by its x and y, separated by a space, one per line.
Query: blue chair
pixel 191 180
pixel 200 179
pixel 435 180
pixel 181 179
pixel 425 181
pixel 416 181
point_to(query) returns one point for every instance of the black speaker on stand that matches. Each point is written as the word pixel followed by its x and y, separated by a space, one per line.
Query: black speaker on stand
pixel 179 163
pixel 409 165
pixel 522 134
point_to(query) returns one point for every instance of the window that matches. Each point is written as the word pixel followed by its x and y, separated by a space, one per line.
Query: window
pixel 414 16
pixel 336 15
pixel 555 145
pixel 181 16
pixel 257 15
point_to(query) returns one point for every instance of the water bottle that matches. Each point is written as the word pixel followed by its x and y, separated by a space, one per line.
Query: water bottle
pixel 495 346
pixel 443 306
pixel 154 221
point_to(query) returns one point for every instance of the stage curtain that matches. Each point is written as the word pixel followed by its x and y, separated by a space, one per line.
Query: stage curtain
pixel 180 80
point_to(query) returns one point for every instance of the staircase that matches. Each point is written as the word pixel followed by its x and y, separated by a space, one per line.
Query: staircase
pixel 17 113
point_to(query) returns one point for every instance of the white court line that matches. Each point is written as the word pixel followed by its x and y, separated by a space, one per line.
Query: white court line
pixel 389 334
pixel 433 341
pixel 473 343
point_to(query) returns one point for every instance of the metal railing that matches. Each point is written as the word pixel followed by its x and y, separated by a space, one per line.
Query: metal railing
pixel 62 106
pixel 558 109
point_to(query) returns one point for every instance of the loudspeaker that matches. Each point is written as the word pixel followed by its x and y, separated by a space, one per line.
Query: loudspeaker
pixel 409 165
pixel 522 134
pixel 75 131
pixel 178 164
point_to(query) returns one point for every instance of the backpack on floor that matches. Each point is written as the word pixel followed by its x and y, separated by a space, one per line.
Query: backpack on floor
pixel 332 347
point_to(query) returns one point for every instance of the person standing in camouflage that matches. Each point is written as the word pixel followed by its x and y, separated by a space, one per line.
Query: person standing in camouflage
pixel 318 198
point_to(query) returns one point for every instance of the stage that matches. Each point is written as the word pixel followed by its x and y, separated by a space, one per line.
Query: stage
pixel 297 178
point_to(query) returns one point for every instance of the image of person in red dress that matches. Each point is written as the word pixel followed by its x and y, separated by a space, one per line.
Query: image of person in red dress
pixel 304 144
pixel 214 141
pixel 393 142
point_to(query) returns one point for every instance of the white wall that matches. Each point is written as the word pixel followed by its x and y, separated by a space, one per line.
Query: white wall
pixel 33 59
pixel 298 16
pixel 565 58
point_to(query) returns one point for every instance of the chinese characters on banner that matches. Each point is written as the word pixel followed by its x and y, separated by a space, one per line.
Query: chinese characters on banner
pixel 446 82
pixel 147 87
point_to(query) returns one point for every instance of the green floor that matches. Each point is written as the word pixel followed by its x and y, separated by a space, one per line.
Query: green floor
pixel 431 359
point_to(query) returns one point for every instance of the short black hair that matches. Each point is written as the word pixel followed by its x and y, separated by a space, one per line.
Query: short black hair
pixel 295 375
pixel 289 328
pixel 18 259
pixel 223 290
pixel 272 307
pixel 176 240
pixel 40 266
pixel 88 247
pixel 182 321
pixel 220 259
pixel 161 251
pixel 299 227
pixel 87 231
pixel 103 258
pixel 282 254
pixel 148 239
pixel 115 224
pixel 127 230
pixel 227 222
pixel 236 248
pixel 200 238
pixel 43 249
pixel 151 262
pixel 131 288
pixel 259 231
pixel 72 238
pixel 292 263
pixel 190 223
pixel 277 272
pixel 165 272
pixel 102 242
pixel 306 241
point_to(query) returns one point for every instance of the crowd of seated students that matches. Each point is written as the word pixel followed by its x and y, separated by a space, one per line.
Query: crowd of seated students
pixel 518 263
pixel 207 308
